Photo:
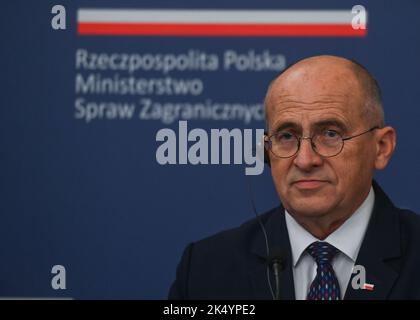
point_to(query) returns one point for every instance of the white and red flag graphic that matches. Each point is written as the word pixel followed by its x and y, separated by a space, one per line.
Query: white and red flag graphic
pixel 221 23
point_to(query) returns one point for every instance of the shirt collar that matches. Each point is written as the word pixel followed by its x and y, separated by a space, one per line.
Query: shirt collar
pixel 347 238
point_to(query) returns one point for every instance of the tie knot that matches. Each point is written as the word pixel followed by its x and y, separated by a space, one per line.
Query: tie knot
pixel 322 252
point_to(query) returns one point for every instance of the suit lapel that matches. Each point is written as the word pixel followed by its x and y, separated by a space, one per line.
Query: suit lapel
pixel 380 251
pixel 278 237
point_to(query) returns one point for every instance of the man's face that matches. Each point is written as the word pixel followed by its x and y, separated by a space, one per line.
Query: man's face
pixel 310 99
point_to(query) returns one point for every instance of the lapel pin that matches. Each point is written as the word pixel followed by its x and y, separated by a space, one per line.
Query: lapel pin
pixel 368 286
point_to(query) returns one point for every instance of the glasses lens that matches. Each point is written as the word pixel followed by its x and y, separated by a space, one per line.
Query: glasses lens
pixel 284 144
pixel 328 143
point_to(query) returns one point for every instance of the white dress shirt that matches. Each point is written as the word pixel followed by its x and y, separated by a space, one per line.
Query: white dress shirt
pixel 347 238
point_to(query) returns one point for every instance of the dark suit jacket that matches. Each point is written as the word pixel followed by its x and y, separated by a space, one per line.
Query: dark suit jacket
pixel 232 264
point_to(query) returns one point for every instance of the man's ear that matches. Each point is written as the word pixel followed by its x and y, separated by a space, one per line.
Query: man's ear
pixel 386 140
pixel 266 151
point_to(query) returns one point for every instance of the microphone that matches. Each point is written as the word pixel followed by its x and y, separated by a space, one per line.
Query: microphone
pixel 276 257
pixel 276 260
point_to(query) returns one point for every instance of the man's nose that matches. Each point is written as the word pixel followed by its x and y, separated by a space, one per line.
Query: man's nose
pixel 306 157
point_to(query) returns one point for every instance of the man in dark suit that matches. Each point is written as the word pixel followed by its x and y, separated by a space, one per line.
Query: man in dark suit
pixel 336 235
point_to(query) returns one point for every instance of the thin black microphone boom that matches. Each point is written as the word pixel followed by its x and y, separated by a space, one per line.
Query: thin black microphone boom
pixel 275 256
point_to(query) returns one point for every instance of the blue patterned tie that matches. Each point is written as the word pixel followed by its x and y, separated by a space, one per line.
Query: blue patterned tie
pixel 325 285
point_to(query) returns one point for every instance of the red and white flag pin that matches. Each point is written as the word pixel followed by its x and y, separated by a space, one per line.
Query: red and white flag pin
pixel 368 286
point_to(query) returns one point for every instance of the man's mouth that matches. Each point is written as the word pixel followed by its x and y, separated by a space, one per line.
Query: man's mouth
pixel 308 184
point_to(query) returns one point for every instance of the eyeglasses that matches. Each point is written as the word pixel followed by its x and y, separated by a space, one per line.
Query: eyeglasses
pixel 328 143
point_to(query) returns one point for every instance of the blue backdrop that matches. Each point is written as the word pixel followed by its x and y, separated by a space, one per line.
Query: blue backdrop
pixel 91 196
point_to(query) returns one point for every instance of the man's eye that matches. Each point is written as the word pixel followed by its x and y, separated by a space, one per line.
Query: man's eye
pixel 284 136
pixel 331 134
